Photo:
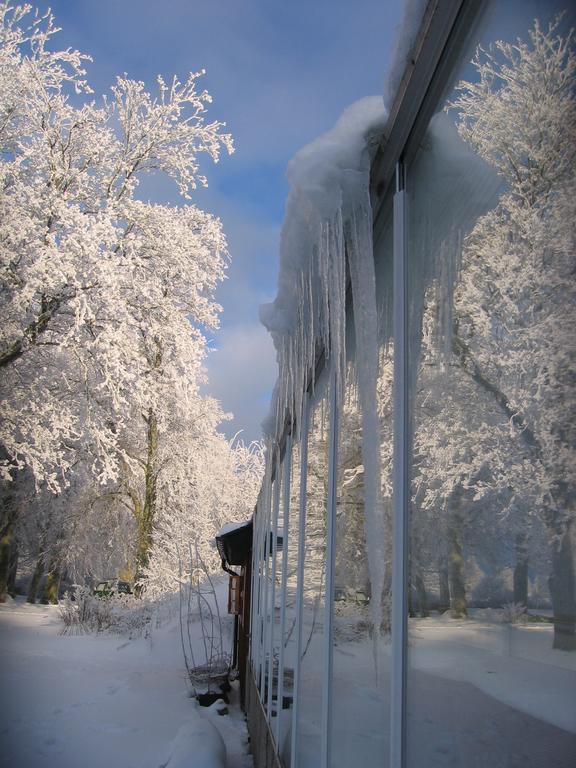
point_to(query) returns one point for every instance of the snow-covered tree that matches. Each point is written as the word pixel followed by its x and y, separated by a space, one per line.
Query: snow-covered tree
pixel 502 430
pixel 104 297
pixel 515 302
pixel 87 270
pixel 212 482
pixel 81 534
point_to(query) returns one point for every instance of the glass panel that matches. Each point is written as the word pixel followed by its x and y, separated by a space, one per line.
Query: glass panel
pixel 265 585
pixel 492 654
pixel 312 650
pixel 275 593
pixel 257 590
pixel 361 659
pixel 290 632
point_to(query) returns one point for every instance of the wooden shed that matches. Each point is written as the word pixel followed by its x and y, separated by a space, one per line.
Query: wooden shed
pixel 234 542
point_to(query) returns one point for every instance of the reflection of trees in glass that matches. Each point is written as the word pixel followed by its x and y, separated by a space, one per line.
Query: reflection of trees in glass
pixel 517 292
pixel 508 423
pixel 457 511
pixel 316 499
pixel 291 546
pixel 352 573
pixel 350 562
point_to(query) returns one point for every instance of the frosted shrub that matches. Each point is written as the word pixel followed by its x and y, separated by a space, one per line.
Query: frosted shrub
pixel 510 613
pixel 514 613
pixel 354 618
pixel 117 614
pixel 491 592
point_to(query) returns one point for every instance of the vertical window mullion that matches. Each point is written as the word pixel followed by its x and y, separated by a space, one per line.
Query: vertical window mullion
pixel 265 570
pixel 254 609
pixel 330 559
pixel 300 582
pixel 285 544
pixel 260 582
pixel 275 512
pixel 401 481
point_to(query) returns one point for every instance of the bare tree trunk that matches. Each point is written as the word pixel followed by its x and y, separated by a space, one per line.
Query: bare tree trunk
pixel 7 544
pixel 35 580
pixel 13 569
pixel 521 570
pixel 5 551
pixel 444 587
pixel 562 585
pixel 421 596
pixel 145 513
pixel 458 602
pixel 50 596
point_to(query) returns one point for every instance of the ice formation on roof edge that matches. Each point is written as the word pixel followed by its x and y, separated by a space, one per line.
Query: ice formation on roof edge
pixel 328 220
pixel 323 183
pixel 328 183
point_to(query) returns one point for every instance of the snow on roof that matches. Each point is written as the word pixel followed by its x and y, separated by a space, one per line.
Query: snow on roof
pixel 230 527
pixel 323 177
pixel 327 178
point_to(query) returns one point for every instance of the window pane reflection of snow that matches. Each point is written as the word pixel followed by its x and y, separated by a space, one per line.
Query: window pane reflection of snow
pixel 492 656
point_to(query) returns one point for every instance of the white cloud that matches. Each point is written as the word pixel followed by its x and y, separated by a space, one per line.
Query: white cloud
pixel 241 374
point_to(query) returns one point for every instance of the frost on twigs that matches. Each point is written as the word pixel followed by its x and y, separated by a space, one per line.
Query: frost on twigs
pixel 207 663
pixel 494 445
pixel 116 614
pixel 103 297
pixel 194 503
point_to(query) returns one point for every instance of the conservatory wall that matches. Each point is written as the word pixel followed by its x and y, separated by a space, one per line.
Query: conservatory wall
pixel 431 621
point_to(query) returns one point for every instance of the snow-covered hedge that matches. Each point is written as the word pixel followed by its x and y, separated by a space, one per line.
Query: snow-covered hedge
pixel 120 614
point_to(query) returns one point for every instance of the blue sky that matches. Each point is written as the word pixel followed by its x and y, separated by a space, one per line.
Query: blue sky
pixel 280 73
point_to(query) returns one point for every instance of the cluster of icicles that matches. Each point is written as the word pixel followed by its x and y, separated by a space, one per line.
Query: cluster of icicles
pixel 326 237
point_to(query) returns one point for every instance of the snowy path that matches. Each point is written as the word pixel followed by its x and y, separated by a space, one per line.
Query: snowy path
pixel 95 701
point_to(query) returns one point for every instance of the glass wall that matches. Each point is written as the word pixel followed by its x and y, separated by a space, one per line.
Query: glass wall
pixel 361 651
pixel 276 554
pixel 311 683
pixel 288 649
pixel 485 673
pixel 266 593
pixel 491 583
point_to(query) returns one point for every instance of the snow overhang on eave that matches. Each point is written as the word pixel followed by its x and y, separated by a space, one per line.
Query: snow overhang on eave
pixel 234 543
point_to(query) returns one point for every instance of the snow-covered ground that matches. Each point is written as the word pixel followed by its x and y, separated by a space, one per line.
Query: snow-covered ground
pixel 95 701
pixel 480 693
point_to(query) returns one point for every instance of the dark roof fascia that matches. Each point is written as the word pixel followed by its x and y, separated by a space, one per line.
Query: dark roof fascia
pixel 444 25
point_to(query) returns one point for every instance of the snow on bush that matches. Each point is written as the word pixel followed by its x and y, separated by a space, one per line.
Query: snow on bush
pixel 514 613
pixel 118 614
pixel 198 744
pixel 511 613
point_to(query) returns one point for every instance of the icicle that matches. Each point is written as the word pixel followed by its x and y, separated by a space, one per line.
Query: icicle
pixel 327 213
pixel 363 281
